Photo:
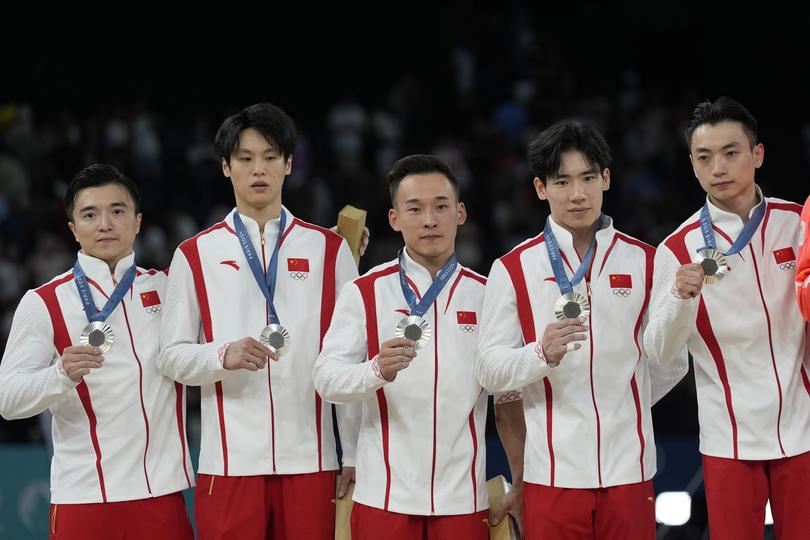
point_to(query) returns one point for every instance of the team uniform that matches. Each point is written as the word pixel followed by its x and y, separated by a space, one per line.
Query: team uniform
pixel 590 450
pixel 267 456
pixel 120 455
pixel 421 452
pixel 803 264
pixel 748 342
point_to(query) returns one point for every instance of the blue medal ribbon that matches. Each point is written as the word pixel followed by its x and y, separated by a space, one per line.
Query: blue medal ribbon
pixel 567 285
pixel 419 309
pixel 265 281
pixel 90 309
pixel 745 235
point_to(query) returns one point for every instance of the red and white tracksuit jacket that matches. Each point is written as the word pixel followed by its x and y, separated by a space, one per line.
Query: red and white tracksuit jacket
pixel 118 435
pixel 588 421
pixel 271 421
pixel 746 335
pixel 422 443
pixel 803 263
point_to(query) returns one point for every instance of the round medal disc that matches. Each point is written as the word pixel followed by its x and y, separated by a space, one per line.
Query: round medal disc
pixel 98 334
pixel 714 265
pixel 571 306
pixel 276 338
pixel 414 328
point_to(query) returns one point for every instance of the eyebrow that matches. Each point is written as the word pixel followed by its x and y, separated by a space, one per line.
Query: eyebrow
pixel 242 150
pixel 733 144
pixel 116 204
pixel 437 198
pixel 586 172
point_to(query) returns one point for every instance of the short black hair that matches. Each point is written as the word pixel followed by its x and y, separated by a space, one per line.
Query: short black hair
pixel 723 109
pixel 545 152
pixel 267 119
pixel 99 174
pixel 419 164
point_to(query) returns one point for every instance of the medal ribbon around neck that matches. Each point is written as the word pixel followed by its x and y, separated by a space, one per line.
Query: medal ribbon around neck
pixel 745 235
pixel 265 281
pixel 90 309
pixel 442 278
pixel 567 285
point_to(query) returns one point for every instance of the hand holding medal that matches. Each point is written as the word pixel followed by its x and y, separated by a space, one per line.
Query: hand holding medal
pixel 247 353
pixel 395 355
pixel 77 361
pixel 561 337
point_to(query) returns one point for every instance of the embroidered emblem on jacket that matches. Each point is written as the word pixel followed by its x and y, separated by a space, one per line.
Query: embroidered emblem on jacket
pixel 621 284
pixel 467 321
pixel 785 258
pixel 298 269
pixel 151 302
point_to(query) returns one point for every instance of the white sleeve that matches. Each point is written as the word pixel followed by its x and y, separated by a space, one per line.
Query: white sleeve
pixel 340 373
pixel 350 415
pixel 345 269
pixel 30 381
pixel 664 377
pixel 503 362
pixel 182 357
pixel 671 318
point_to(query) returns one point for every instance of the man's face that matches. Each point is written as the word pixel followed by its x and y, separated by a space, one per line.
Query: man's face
pixel 575 193
pixel 723 160
pixel 427 214
pixel 104 222
pixel 257 171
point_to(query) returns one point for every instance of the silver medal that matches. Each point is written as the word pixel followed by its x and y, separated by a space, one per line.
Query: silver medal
pixel 276 338
pixel 98 334
pixel 571 306
pixel 714 265
pixel 414 328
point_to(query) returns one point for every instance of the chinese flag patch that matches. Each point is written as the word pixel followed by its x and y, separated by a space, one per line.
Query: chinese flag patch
pixel 784 255
pixel 150 298
pixel 298 265
pixel 621 281
pixel 466 317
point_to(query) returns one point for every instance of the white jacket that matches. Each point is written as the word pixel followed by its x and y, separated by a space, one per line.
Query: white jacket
pixel 746 335
pixel 422 441
pixel 588 421
pixel 271 421
pixel 119 435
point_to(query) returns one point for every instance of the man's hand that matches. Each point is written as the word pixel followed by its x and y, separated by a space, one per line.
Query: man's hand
pixel 689 280
pixel 561 337
pixel 395 355
pixel 247 353
pixel 344 480
pixel 512 505
pixel 78 361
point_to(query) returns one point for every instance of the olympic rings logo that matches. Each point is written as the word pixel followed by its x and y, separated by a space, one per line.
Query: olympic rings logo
pixel 788 266
pixel 154 310
pixel 467 328
pixel 624 293
pixel 299 276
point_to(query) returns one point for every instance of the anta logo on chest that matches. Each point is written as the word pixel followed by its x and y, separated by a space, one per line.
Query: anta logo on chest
pixel 298 269
pixel 785 258
pixel 621 285
pixel 151 302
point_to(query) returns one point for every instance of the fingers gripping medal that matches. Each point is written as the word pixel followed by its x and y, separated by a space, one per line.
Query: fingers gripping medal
pixel 571 304
pixel 274 336
pixel 714 261
pixel 415 327
pixel 714 265
pixel 98 333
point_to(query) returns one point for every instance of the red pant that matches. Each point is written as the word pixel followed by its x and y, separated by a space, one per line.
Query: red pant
pixel 373 524
pixel 266 507
pixel 737 491
pixel 618 512
pixel 161 518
